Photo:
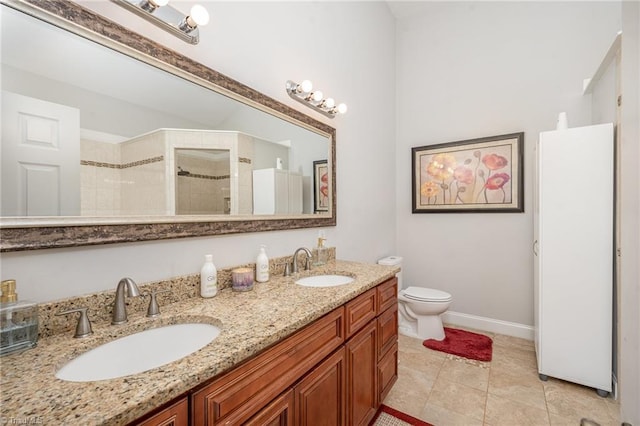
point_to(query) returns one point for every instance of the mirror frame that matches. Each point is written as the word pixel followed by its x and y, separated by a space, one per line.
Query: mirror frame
pixel 20 233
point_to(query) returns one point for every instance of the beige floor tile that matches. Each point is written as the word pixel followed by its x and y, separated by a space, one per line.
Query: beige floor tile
pixel 444 389
pixel 523 388
pixel 458 398
pixel 440 416
pixel 570 400
pixel 514 361
pixel 411 344
pixel 513 342
pixel 460 371
pixel 409 403
pixel 502 411
pixel 424 361
pixel 413 382
pixel 613 407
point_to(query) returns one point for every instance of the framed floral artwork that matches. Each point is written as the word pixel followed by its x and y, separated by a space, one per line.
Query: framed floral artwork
pixel 320 186
pixel 482 175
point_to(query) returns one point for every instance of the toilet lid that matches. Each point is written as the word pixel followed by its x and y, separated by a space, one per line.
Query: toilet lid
pixel 427 294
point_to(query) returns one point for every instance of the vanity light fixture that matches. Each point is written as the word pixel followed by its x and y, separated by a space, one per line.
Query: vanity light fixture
pixel 169 19
pixel 304 93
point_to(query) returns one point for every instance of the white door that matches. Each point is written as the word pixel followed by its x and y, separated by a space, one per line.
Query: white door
pixel 40 157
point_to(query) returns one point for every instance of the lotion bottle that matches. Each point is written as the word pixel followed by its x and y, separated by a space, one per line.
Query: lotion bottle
pixel 262 266
pixel 208 278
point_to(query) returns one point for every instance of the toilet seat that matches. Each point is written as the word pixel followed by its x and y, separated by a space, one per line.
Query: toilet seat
pixel 426 294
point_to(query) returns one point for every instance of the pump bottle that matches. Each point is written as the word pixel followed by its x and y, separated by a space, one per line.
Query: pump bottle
pixel 208 278
pixel 262 266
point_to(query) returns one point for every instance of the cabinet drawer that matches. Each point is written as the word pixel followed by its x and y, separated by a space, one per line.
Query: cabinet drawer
pixel 387 295
pixel 387 372
pixel 174 415
pixel 387 329
pixel 241 393
pixel 359 312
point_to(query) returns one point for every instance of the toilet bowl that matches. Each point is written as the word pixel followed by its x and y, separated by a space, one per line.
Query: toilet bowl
pixel 419 307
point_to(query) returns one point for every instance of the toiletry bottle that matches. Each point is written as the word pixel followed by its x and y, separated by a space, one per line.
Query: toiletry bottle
pixel 18 320
pixel 208 278
pixel 321 250
pixel 262 266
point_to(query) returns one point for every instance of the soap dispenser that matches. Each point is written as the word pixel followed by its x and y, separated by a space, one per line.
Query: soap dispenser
pixel 322 254
pixel 18 321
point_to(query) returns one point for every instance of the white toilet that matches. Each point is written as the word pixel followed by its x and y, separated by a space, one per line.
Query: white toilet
pixel 419 308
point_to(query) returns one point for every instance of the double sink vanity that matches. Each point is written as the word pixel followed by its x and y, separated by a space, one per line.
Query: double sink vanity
pixel 320 344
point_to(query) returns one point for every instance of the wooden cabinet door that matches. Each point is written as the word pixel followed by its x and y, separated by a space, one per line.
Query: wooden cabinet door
pixel 279 413
pixel 320 398
pixel 174 415
pixel 387 372
pixel 387 325
pixel 362 389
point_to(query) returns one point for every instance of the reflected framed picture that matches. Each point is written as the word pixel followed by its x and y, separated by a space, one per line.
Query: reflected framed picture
pixel 483 175
pixel 320 186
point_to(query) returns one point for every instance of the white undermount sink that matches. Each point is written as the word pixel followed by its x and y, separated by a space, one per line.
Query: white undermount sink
pixel 324 280
pixel 138 352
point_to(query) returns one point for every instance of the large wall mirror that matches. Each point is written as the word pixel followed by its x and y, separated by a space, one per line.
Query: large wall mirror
pixel 110 137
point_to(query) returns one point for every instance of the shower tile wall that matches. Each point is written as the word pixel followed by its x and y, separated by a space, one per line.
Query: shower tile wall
pixel 143 176
pixel 99 178
pixel 245 174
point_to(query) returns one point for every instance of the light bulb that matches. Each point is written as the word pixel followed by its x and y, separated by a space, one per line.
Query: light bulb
pixel 329 103
pixel 198 16
pixel 306 86
pixel 317 96
pixel 159 3
pixel 342 108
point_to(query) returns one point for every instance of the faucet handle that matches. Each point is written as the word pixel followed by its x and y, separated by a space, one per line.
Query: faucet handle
pixel 83 328
pixel 287 268
pixel 154 308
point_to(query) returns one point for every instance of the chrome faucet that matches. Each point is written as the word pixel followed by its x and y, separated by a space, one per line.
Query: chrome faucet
pixel 294 261
pixel 126 287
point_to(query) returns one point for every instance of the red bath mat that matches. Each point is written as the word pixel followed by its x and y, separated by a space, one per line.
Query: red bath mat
pixel 463 343
pixel 387 416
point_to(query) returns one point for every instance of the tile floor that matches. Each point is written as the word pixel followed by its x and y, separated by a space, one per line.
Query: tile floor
pixel 444 390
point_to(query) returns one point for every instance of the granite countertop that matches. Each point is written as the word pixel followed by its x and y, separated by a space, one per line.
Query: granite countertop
pixel 249 322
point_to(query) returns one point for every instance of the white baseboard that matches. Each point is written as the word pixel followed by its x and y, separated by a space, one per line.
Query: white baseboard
pixel 489 324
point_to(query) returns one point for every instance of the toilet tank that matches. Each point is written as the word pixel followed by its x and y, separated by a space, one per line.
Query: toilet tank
pixel 393 261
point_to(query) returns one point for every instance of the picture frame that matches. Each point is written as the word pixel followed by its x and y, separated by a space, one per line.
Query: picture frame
pixel 320 186
pixel 483 175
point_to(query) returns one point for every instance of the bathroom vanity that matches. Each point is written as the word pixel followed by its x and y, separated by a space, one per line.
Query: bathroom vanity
pixel 286 353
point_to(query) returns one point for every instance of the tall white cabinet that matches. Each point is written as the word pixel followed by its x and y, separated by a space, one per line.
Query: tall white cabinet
pixel 573 252
pixel 277 191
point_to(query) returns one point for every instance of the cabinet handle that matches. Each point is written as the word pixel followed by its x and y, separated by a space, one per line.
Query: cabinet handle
pixel 535 247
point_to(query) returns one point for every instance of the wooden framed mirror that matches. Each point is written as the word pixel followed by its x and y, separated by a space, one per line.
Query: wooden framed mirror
pixel 147 119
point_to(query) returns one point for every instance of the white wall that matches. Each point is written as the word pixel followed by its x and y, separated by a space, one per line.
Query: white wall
pixel 629 282
pixel 347 50
pixel 473 69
